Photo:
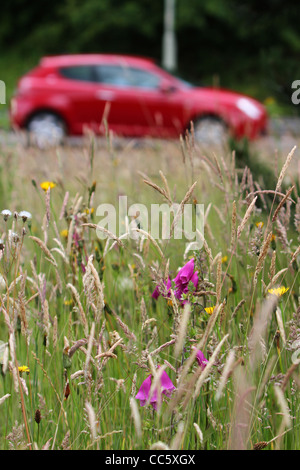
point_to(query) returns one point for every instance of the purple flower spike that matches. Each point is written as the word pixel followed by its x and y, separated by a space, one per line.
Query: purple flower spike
pixel 185 273
pixel 166 388
pixel 143 393
pixel 201 359
pixel 157 292
pixel 183 278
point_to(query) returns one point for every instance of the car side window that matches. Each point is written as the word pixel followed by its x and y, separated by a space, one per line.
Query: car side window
pixel 123 76
pixel 143 79
pixel 112 75
pixel 84 73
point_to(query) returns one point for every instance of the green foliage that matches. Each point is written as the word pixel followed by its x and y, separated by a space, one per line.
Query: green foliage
pixel 237 43
pixel 247 157
pixel 77 378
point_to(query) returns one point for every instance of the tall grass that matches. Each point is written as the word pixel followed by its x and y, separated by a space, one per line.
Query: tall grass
pixel 78 312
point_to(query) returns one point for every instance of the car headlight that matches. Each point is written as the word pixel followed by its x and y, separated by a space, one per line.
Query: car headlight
pixel 249 108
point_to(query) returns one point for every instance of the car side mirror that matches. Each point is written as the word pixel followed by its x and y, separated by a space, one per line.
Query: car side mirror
pixel 167 88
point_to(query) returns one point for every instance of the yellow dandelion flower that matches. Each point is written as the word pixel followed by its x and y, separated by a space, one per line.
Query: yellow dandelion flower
pixel 64 233
pixel 68 302
pixel 259 224
pixel 269 101
pixel 24 369
pixel 273 238
pixel 224 259
pixel 170 303
pixel 279 291
pixel 89 211
pixel 209 310
pixel 45 185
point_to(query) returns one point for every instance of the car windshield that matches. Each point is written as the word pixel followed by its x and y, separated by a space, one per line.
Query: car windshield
pixel 185 83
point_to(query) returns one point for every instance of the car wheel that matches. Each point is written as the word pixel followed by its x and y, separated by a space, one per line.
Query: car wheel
pixel 46 130
pixel 210 131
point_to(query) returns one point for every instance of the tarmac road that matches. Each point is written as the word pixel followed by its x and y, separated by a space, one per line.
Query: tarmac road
pixel 284 127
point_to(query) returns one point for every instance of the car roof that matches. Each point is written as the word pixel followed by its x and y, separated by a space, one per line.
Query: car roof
pixel 81 59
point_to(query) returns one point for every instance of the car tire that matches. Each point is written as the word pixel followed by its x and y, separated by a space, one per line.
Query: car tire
pixel 46 130
pixel 210 131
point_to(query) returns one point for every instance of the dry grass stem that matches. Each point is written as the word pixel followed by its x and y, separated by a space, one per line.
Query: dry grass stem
pixel 246 218
pixel 282 202
pixel 136 417
pixel 181 207
pixel 182 329
pixel 44 248
pixel 225 374
pixel 81 311
pixel 162 191
pixel 284 168
pixel 209 365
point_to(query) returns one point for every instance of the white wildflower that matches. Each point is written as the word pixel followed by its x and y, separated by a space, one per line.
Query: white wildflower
pixel 25 215
pixel 6 214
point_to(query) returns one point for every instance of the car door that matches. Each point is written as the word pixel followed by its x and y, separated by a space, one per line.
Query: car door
pixel 79 86
pixel 118 99
pixel 128 99
pixel 161 102
pixel 136 102
pixel 102 95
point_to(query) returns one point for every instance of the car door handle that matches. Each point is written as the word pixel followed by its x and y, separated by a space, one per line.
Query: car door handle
pixel 105 95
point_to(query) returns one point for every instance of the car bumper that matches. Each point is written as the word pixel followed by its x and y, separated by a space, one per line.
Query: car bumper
pixel 19 112
pixel 250 128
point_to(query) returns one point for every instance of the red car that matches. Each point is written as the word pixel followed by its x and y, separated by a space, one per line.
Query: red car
pixel 132 96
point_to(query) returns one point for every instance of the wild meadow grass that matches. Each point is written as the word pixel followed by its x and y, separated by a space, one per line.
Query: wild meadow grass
pixel 80 330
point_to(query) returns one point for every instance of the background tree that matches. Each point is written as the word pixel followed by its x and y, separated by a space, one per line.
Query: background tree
pixel 252 46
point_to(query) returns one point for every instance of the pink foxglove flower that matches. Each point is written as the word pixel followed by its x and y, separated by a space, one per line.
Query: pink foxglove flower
pixel 166 388
pixel 185 275
pixel 201 359
pixel 157 291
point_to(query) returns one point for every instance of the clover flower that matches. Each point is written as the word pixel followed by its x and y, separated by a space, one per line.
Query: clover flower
pixel 166 388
